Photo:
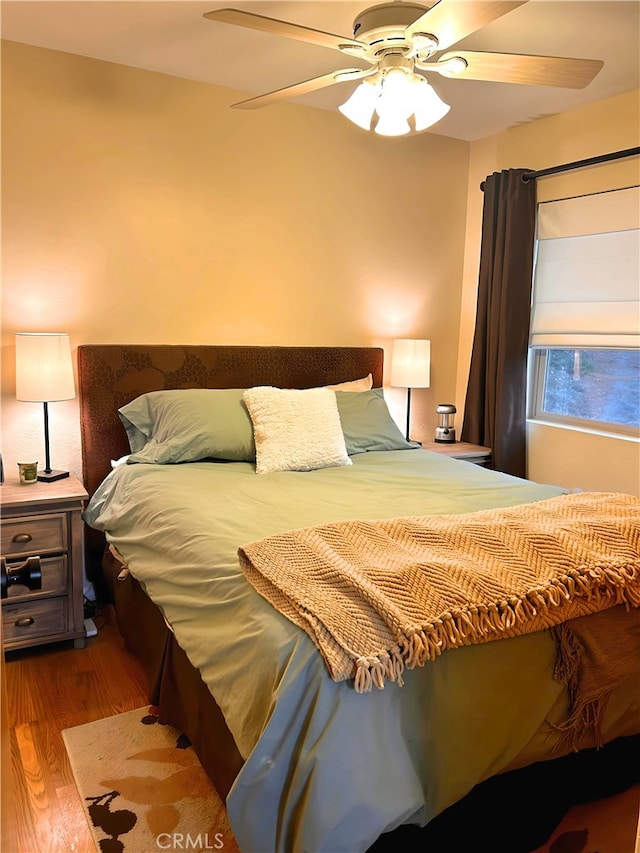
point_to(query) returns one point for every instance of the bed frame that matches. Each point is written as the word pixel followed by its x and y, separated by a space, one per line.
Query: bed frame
pixel 112 375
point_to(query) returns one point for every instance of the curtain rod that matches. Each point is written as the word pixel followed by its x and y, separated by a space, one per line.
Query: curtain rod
pixel 578 164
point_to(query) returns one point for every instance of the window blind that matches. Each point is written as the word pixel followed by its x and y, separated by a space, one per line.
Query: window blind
pixel 586 289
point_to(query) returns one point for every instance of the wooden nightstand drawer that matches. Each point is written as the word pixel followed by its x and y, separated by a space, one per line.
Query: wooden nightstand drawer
pixel 32 619
pixel 54 579
pixel 34 535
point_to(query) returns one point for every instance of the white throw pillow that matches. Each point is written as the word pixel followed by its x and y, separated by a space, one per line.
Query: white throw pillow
pixel 295 430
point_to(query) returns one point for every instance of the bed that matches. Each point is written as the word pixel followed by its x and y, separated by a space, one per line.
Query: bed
pixel 307 763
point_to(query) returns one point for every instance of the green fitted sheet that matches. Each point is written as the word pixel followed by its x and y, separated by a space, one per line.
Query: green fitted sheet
pixel 327 769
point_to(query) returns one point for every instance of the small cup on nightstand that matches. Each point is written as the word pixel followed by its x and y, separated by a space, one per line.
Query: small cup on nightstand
pixel 28 472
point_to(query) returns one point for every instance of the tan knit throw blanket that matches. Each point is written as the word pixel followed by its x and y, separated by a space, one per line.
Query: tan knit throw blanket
pixel 379 596
pixel 596 654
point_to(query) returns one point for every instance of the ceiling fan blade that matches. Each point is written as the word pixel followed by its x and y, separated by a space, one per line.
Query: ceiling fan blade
pixel 451 20
pixel 351 46
pixel 343 76
pixel 531 70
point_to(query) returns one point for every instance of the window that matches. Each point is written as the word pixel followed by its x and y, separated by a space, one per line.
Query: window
pixel 595 388
pixel 585 322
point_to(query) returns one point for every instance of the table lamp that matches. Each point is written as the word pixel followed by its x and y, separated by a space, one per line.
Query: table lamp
pixel 44 374
pixel 410 368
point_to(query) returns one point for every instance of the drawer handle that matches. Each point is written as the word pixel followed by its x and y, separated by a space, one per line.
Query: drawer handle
pixel 25 621
pixel 22 537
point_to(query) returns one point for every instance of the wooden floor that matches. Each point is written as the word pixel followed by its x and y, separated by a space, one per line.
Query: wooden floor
pixel 49 689
pixel 52 688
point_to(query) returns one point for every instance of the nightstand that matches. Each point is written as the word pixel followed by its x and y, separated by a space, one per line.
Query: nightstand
pixel 474 453
pixel 43 521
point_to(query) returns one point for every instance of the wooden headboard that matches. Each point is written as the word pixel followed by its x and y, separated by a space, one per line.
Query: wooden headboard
pixel 111 375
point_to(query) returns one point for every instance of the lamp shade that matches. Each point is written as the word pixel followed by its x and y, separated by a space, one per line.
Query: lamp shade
pixel 44 371
pixel 411 363
pixel 428 107
pixel 360 106
pixel 395 105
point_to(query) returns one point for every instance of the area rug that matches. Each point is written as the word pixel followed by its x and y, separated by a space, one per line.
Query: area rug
pixel 143 788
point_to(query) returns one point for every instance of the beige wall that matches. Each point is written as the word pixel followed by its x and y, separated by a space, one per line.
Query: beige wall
pixel 568 458
pixel 138 207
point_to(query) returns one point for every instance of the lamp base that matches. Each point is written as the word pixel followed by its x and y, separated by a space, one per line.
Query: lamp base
pixel 52 476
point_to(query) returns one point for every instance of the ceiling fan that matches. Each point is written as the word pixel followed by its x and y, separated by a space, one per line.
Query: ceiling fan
pixel 399 39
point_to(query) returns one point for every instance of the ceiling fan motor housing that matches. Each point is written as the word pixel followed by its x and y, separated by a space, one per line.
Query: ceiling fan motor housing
pixel 383 26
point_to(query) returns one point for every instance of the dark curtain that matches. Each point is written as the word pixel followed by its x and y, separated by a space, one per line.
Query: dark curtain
pixel 495 407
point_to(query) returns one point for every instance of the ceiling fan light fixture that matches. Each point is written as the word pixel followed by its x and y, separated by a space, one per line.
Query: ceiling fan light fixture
pixel 360 106
pixel 395 104
pixel 429 108
pixel 392 125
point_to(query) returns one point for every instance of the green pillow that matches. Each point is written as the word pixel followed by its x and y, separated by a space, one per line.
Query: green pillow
pixel 189 424
pixel 367 423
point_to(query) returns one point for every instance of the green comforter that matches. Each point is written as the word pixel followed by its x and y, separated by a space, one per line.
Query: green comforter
pixel 326 768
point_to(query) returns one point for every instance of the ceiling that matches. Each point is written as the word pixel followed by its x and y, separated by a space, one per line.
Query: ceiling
pixel 173 38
